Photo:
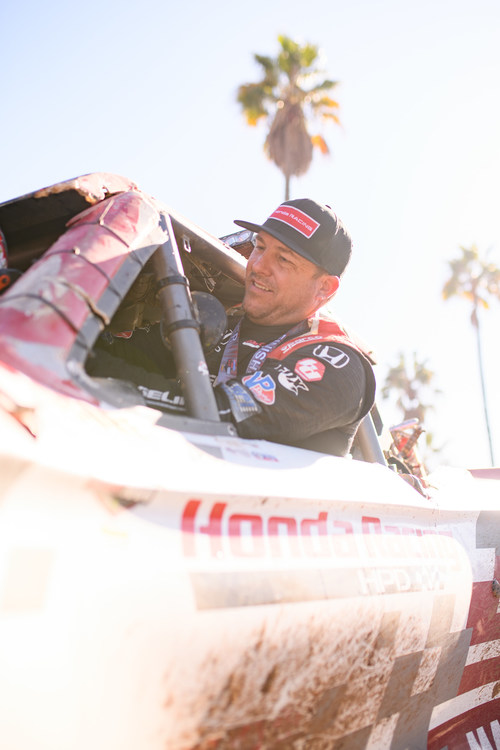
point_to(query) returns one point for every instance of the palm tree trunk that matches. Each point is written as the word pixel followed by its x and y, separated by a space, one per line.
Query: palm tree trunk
pixel 287 187
pixel 483 387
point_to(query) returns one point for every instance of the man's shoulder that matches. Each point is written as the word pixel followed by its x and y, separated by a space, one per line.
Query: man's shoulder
pixel 324 333
pixel 326 358
pixel 333 329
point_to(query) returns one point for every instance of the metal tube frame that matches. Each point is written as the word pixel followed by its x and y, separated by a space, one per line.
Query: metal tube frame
pixel 179 322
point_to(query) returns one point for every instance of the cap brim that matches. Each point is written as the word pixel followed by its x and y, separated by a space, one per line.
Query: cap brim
pixel 249 225
pixel 277 236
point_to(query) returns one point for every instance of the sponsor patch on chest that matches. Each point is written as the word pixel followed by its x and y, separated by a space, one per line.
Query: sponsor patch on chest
pixel 310 369
pixel 262 386
pixel 290 380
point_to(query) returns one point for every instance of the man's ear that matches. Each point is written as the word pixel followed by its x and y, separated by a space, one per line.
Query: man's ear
pixel 328 287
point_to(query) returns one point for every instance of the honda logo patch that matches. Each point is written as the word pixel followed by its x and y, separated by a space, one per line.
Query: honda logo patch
pixel 335 357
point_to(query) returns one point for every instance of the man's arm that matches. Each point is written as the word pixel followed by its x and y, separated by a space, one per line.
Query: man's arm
pixel 312 390
pixel 316 388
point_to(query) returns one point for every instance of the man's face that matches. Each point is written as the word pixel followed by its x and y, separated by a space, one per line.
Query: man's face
pixel 280 286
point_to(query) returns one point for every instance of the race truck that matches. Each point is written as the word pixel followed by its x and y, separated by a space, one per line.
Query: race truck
pixel 168 585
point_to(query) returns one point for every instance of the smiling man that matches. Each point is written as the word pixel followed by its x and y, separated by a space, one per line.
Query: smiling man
pixel 285 371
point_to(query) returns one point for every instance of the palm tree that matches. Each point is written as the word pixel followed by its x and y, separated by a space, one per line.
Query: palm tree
pixel 410 382
pixel 477 281
pixel 292 91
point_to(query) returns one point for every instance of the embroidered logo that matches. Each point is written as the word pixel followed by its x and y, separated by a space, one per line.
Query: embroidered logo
pixel 297 219
pixel 251 343
pixel 262 386
pixel 310 369
pixel 290 380
pixel 335 357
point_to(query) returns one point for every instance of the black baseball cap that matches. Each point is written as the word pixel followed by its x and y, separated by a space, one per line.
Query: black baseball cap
pixel 310 229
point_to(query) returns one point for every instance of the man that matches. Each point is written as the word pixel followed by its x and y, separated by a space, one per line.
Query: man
pixel 286 372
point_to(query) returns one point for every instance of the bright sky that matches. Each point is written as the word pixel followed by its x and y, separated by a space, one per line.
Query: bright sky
pixel 148 90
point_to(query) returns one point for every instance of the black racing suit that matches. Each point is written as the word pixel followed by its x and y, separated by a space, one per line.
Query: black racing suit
pixel 311 389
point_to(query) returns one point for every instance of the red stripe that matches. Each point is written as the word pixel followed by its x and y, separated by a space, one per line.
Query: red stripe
pixel 481 673
pixel 452 734
pixel 297 219
pixel 483 616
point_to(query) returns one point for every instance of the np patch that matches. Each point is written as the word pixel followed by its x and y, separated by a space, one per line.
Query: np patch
pixel 296 219
pixel 310 369
pixel 262 386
